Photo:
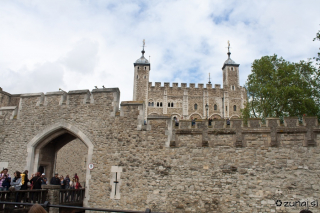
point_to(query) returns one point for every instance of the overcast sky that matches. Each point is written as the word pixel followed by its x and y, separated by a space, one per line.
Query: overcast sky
pixel 47 45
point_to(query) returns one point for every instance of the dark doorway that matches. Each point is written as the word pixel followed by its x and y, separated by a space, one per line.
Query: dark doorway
pixel 41 169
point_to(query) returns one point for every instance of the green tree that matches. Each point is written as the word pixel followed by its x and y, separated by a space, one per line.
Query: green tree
pixel 318 57
pixel 279 88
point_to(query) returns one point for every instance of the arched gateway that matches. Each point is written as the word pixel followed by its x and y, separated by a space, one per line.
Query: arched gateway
pixel 58 134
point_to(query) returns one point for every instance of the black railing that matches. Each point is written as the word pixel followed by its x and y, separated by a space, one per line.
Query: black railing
pixel 46 205
pixel 23 196
pixel 71 196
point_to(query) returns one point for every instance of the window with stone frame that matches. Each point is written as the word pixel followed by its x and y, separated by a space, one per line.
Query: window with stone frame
pixel 215 107
pixel 160 104
pixel 195 106
pixel 172 104
pixel 234 108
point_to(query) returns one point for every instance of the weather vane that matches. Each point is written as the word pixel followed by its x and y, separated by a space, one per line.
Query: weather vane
pixel 143 43
pixel 209 79
pixel 228 46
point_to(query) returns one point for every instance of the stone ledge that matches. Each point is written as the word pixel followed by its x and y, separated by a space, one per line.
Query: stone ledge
pixel 222 131
pixel 291 130
pixel 115 89
pixel 85 91
pixel 8 108
pixel 188 131
pixel 154 117
pixel 32 94
pixel 55 93
pixel 128 103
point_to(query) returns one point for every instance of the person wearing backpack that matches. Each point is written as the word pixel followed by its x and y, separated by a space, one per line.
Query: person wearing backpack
pixel 5 180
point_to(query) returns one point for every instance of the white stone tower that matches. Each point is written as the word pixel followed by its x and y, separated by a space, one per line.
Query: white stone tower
pixel 230 72
pixel 141 79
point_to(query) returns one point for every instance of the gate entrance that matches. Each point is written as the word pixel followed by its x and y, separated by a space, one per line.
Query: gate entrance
pixel 61 148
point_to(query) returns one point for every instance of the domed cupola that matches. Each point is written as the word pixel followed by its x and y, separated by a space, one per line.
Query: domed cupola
pixel 229 61
pixel 142 60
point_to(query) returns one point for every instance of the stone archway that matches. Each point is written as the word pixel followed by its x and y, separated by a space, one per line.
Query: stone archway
pixel 49 134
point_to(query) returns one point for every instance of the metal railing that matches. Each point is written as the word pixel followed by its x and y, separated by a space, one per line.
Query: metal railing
pixel 46 205
pixel 71 196
pixel 23 196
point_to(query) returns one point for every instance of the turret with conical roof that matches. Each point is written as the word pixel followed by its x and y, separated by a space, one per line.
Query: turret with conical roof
pixel 141 78
pixel 230 71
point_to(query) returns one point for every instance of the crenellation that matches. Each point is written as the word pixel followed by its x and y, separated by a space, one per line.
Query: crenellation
pixel 157 84
pixel 9 112
pixel 255 135
pixel 291 122
pixel 166 84
pixel 254 122
pixel 200 86
pixel 209 86
pixel 192 85
pixel 217 86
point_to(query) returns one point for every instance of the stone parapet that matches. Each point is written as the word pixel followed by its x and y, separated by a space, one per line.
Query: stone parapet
pixel 272 131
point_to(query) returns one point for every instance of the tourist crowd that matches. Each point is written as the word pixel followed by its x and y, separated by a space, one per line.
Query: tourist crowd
pixel 20 181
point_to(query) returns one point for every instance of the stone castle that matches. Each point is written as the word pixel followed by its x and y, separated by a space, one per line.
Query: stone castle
pixel 223 167
pixel 186 102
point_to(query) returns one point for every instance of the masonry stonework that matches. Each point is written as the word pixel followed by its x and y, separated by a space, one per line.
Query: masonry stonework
pixel 190 102
pixel 223 167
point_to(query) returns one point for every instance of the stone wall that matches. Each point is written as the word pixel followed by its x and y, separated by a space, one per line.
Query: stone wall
pixel 71 159
pixel 218 168
pixel 184 99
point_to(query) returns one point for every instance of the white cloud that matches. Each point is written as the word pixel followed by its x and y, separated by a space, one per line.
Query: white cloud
pixel 82 44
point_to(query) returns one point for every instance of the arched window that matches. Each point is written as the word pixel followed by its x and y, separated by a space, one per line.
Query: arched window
pixel 171 104
pixel 138 67
pixel 168 104
pixel 195 106
pixel 234 108
pixel 232 87
pixel 145 77
pixel 226 108
pixel 160 104
pixel 215 107
pixel 145 68
pixel 152 104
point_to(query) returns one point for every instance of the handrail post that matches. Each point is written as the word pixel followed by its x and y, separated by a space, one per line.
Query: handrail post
pixel 53 196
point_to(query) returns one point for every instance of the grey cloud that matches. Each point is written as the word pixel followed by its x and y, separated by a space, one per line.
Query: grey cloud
pixel 43 78
pixel 83 58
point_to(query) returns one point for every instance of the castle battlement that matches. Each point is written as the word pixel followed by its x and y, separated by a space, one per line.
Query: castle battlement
pixel 28 102
pixel 234 133
pixel 183 85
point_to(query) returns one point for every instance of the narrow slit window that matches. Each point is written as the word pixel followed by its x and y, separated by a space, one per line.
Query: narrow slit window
pixel 215 107
pixel 196 106
pixel 234 108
